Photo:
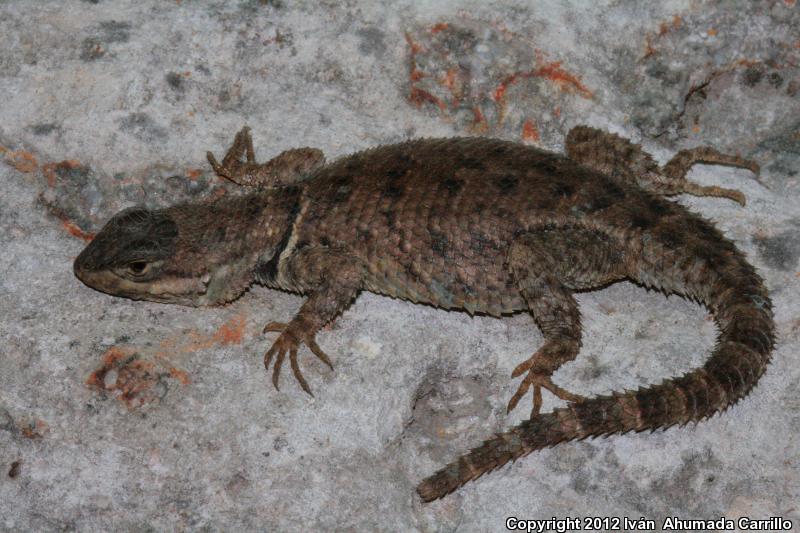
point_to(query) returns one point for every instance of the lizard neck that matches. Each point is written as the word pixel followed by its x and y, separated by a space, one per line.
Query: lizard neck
pixel 271 268
pixel 228 239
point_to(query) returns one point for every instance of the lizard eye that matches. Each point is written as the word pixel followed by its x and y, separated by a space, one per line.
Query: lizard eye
pixel 137 268
pixel 140 270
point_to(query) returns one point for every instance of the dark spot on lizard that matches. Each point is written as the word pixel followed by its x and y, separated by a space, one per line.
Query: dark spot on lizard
pixel 652 406
pixel 507 184
pixel 394 173
pixel 597 203
pixel 590 415
pixel 481 243
pixel 563 189
pixel 452 186
pixel 710 254
pixel 440 243
pixel 324 241
pixel 643 221
pixel 220 234
pixel 547 165
pixel 391 217
pixel 342 189
pixel 658 207
pixel 499 149
pixel 392 191
pixel 671 238
pixel 473 164
pixel 253 209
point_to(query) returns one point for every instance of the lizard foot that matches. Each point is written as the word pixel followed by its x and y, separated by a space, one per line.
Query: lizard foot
pixel 679 165
pixel 288 342
pixel 540 379
pixel 232 167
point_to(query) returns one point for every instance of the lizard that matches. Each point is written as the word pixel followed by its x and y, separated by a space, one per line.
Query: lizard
pixel 482 225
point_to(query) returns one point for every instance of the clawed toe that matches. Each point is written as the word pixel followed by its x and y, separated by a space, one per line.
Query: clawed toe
pixel 288 343
pixel 231 164
pixel 218 169
pixel 714 191
pixel 539 381
pixel 275 327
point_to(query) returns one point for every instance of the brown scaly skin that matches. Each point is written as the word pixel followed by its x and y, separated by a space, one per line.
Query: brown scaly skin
pixel 478 224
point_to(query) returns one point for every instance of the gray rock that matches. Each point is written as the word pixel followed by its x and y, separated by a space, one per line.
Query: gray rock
pixel 138 416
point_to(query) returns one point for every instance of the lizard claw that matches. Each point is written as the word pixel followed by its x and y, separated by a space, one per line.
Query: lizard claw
pixel 539 381
pixel 288 342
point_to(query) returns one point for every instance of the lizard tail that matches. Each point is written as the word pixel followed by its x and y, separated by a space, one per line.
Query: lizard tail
pixel 737 299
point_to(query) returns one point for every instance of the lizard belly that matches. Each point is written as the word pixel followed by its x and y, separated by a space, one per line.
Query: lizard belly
pixel 477 287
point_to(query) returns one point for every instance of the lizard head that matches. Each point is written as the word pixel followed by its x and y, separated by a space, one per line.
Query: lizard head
pixel 177 255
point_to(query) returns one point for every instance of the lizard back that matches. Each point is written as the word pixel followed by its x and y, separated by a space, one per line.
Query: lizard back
pixel 432 219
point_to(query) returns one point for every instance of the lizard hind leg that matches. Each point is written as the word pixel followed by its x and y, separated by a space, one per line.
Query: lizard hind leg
pixel 288 167
pixel 614 155
pixel 547 266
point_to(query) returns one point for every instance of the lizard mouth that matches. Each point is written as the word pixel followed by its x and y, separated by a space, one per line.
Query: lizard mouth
pixel 175 290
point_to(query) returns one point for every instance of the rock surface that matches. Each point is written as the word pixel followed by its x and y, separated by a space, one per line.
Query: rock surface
pixel 138 416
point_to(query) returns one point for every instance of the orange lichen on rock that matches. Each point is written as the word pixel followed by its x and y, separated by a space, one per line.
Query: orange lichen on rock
pixel 231 332
pixel 530 134
pixel 663 29
pixel 553 72
pixel 33 429
pixel 416 95
pixel 75 231
pixel 550 71
pixel 193 173
pixel 20 160
pixel 666 27
pixel 419 96
pixel 180 375
pixel 50 170
pixel 130 379
pixel 479 124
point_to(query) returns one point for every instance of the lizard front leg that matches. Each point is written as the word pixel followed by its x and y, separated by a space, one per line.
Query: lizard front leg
pixel 332 280
pixel 614 155
pixel 288 167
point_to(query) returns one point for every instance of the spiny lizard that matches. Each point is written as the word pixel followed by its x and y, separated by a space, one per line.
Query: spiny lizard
pixel 478 224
